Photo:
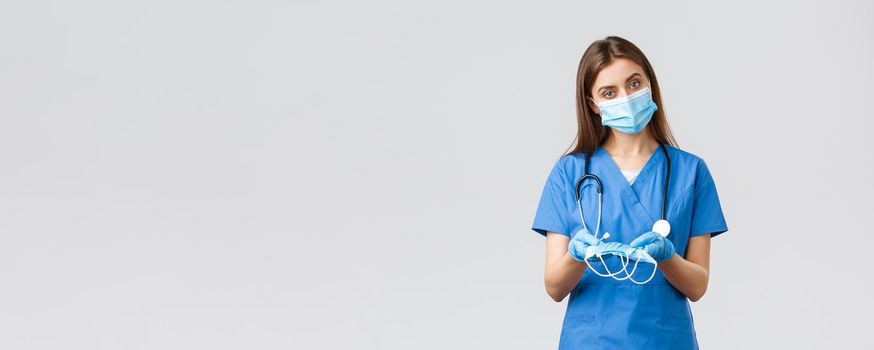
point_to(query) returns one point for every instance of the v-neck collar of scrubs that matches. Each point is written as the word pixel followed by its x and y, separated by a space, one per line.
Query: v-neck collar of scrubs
pixel 643 176
pixel 629 191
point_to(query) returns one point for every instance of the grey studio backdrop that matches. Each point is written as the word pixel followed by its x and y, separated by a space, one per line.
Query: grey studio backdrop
pixel 364 175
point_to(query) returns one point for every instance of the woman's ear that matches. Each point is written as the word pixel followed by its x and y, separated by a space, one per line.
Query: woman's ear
pixel 593 105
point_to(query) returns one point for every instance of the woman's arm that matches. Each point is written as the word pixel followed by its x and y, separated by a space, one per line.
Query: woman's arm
pixel 690 275
pixel 562 271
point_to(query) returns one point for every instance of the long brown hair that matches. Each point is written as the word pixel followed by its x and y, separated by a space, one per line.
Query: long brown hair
pixel 591 134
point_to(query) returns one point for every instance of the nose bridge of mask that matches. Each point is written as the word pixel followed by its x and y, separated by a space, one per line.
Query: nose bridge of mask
pixel 635 96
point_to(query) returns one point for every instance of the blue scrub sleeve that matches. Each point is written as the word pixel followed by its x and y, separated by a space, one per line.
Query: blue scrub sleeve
pixel 707 216
pixel 552 211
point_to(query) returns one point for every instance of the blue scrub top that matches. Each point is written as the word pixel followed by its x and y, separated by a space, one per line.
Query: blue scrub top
pixel 604 313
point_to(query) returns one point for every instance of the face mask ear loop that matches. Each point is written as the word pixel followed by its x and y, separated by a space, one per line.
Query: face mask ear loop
pixel 624 269
pixel 613 274
pixel 655 266
pixel 622 261
pixel 628 274
pixel 602 263
pixel 596 271
pixel 654 269
pixel 590 265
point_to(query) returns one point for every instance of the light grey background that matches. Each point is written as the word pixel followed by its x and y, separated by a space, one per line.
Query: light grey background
pixel 332 175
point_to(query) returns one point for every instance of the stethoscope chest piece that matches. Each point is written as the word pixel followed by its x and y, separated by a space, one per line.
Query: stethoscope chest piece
pixel 662 227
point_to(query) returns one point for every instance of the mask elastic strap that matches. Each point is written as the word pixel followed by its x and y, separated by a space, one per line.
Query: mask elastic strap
pixel 589 255
pixel 628 274
pixel 623 259
pixel 613 274
pixel 595 271
pixel 655 266
pixel 624 269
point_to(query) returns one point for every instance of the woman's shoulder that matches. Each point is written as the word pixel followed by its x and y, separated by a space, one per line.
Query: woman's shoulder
pixel 571 163
pixel 563 163
pixel 566 166
pixel 685 158
pixel 571 159
pixel 692 167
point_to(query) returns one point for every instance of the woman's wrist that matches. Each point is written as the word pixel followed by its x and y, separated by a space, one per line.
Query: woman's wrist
pixel 672 262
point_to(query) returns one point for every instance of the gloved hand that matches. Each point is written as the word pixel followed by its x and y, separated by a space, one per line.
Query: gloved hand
pixel 579 243
pixel 654 244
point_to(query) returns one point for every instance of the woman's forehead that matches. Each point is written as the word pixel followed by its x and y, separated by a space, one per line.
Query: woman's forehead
pixel 617 72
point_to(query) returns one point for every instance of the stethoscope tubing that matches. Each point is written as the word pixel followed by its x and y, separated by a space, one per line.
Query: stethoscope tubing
pixel 600 188
pixel 625 260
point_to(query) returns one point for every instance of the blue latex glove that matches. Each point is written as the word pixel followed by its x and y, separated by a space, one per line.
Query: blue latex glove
pixel 579 242
pixel 658 247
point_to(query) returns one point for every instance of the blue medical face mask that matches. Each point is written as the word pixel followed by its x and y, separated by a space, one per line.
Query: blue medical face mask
pixel 628 114
pixel 625 253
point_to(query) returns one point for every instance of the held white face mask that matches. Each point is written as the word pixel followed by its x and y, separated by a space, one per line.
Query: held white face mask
pixel 629 114
pixel 625 254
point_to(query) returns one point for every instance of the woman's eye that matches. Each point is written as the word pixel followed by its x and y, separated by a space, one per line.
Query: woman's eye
pixel 608 94
pixel 635 84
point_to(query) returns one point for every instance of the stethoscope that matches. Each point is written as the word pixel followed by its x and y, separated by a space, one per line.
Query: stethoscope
pixel 661 226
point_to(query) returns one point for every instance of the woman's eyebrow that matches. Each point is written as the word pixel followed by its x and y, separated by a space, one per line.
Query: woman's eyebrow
pixel 632 76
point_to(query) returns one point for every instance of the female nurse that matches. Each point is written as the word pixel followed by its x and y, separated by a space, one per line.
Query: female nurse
pixel 623 129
